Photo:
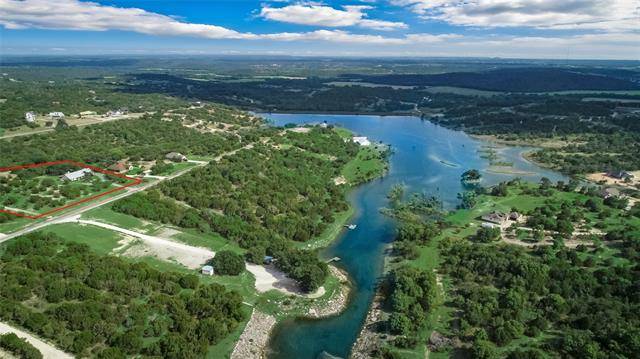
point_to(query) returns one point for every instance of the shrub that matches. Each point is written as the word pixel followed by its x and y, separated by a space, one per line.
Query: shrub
pixel 228 263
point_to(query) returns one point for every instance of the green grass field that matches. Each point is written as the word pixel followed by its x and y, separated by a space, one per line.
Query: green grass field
pixel 100 240
pixel 368 164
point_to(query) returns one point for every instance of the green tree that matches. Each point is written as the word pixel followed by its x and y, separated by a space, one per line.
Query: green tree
pixel 227 263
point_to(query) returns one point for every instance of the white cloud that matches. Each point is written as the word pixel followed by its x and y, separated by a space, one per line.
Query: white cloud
pixel 321 15
pixel 77 15
pixel 557 14
pixel 89 16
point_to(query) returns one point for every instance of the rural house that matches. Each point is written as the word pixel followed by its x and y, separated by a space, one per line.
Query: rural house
pixel 76 175
pixel 495 217
pixel 176 157
pixel 56 115
pixel 120 167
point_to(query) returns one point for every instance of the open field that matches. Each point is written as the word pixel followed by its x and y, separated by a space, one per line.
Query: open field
pixel 368 164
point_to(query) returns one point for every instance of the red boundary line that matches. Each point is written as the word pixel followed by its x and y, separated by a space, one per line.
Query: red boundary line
pixel 135 181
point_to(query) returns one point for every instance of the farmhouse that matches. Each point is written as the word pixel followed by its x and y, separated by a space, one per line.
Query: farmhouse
pixel 120 167
pixel 495 217
pixel 56 115
pixel 76 175
pixel 207 270
pixel 118 112
pixel 176 157
pixel 362 141
pixel 30 117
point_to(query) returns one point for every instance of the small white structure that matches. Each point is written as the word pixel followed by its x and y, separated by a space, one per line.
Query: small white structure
pixel 118 112
pixel 207 270
pixel 87 113
pixel 56 115
pixel 30 117
pixel 362 141
pixel 76 175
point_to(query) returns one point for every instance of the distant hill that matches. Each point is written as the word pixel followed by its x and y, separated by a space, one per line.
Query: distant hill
pixel 515 80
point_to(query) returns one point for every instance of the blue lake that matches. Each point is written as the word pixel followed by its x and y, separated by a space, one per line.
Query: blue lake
pixel 426 158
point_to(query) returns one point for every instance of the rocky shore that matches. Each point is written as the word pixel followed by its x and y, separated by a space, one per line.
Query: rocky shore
pixel 255 337
pixel 337 302
pixel 369 339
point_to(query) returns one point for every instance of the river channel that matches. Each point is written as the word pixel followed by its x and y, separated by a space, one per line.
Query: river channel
pixel 426 158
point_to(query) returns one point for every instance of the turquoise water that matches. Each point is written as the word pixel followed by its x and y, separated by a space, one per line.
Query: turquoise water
pixel 426 158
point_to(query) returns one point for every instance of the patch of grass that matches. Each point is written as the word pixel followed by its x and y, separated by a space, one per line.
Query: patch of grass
pixel 107 215
pixel 100 240
pixel 369 163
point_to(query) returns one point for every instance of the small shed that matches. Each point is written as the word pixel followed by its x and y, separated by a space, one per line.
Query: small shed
pixel 207 270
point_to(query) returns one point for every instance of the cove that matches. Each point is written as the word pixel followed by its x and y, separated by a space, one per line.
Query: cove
pixel 426 158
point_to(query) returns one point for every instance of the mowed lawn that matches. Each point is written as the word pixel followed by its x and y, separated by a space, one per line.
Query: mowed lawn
pixel 100 240
pixel 367 165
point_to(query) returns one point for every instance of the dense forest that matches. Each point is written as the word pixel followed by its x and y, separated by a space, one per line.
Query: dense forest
pixel 515 301
pixel 148 138
pixel 541 79
pixel 261 198
pixel 275 94
pixel 595 136
pixel 107 307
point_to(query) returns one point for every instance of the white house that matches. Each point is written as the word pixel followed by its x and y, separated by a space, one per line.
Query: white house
pixel 30 117
pixel 362 141
pixel 56 115
pixel 207 270
pixel 176 157
pixel 76 175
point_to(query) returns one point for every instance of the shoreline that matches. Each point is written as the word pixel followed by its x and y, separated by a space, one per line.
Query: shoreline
pixel 257 334
pixel 367 342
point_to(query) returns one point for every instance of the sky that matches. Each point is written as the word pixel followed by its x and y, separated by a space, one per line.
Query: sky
pixel 557 29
